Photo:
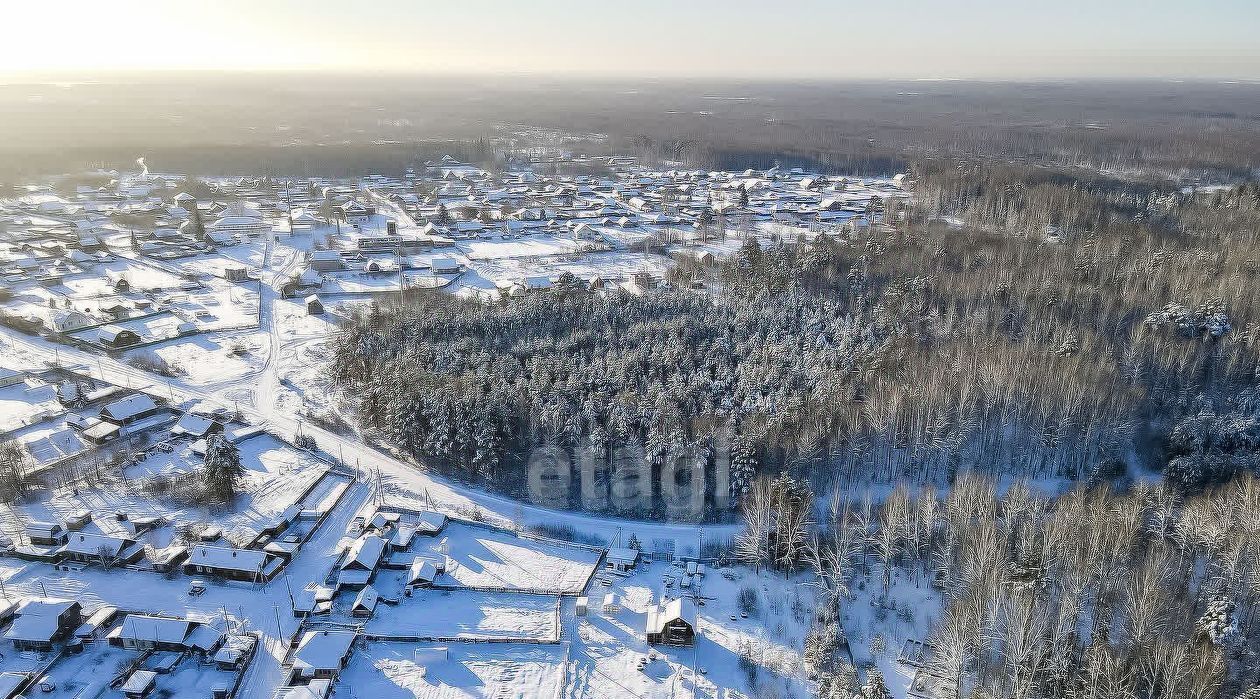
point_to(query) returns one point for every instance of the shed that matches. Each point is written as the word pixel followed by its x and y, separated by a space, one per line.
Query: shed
pixel 622 559
pixel 139 684
pixel 314 307
pixel 612 603
pixel 365 604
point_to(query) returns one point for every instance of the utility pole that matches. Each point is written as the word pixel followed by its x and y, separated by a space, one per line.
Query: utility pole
pixel 279 632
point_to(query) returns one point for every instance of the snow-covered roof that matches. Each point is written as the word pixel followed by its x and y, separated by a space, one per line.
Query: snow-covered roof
pixel 139 683
pixel 323 650
pixel 228 558
pixel 154 629
pixel 95 544
pixel 430 522
pixel 624 556
pixel 365 553
pixel 682 608
pixel 422 571
pixel 38 619
pixel 367 598
pixel 192 425
pixel 129 407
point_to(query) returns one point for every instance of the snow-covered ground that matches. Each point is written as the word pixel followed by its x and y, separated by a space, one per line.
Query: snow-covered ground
pixel 508 671
pixel 448 614
pixel 485 558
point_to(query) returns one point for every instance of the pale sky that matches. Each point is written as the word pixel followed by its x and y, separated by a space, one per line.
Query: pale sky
pixel 780 39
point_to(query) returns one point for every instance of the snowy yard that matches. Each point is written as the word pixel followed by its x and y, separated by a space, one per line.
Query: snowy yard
pixel 446 614
pixel 21 404
pixel 87 674
pixel 248 255
pixel 498 671
pixel 772 636
pixel 486 558
pixel 525 246
pixel 210 358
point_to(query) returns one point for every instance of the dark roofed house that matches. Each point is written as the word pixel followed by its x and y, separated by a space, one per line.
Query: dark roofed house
pixel 672 624
pixel 114 336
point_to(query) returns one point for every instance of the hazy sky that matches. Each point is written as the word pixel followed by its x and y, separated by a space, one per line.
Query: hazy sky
pixel 728 38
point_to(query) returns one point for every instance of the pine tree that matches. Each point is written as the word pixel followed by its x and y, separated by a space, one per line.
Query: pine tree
pixel 875 687
pixel 743 466
pixel 223 469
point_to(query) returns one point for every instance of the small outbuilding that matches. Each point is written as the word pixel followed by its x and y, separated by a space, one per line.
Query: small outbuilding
pixel 139 684
pixel 365 604
pixel 314 307
pixel 621 559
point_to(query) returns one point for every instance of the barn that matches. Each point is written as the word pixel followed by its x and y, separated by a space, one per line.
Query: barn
pixel 673 624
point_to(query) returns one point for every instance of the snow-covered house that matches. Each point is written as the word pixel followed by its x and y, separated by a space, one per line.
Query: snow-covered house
pixel 621 559
pixel 672 624
pixel 422 573
pixel 238 225
pixel 145 632
pixel 365 603
pixel 41 533
pixel 361 561
pixel 444 265
pixel 326 261
pixel 40 622
pixel 322 654
pixel 131 409
pixel 84 547
pixel 248 565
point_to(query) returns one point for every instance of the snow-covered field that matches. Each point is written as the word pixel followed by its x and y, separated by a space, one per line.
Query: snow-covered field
pixel 486 558
pixel 507 671
pixel 447 614
pixel 527 246
pixel 210 358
